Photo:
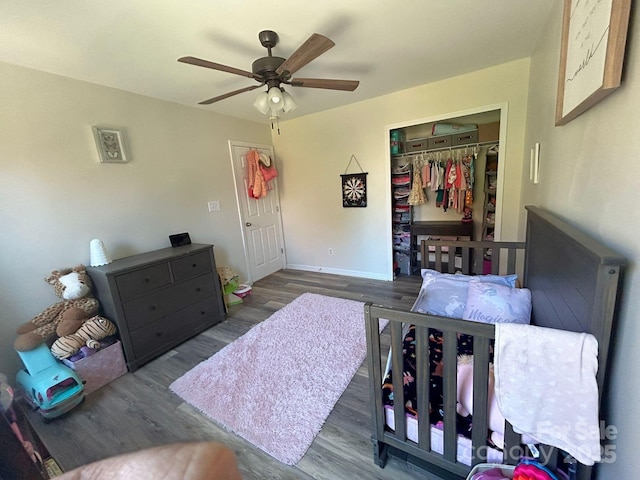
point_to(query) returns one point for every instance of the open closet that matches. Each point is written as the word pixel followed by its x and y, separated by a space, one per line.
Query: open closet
pixel 444 183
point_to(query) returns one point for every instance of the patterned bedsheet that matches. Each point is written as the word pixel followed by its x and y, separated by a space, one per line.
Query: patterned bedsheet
pixel 465 347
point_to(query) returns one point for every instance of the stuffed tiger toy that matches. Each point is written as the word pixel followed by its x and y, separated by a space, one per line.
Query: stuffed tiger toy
pixel 94 329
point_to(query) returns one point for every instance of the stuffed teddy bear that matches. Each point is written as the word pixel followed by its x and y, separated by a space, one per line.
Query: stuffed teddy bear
pixel 73 285
pixel 94 329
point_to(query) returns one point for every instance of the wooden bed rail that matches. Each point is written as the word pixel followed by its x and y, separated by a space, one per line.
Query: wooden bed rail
pixel 505 257
pixel 383 437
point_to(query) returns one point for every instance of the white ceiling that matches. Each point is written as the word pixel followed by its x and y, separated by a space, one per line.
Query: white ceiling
pixel 133 45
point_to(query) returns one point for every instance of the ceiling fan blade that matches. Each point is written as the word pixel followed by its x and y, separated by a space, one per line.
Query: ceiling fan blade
pixel 347 85
pixel 216 66
pixel 315 46
pixel 227 95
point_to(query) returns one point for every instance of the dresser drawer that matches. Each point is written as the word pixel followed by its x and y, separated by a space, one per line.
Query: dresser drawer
pixel 191 266
pixel 139 282
pixel 175 327
pixel 149 308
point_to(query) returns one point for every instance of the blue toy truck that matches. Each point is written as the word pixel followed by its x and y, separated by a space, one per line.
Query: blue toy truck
pixel 47 384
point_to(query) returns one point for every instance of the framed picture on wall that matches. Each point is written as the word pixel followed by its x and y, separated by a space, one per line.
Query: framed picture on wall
pixel 110 144
pixel 594 36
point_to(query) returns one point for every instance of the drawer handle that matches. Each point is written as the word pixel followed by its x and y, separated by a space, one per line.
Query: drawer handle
pixel 147 280
pixel 194 265
pixel 158 334
pixel 202 312
pixel 152 307
pixel 198 289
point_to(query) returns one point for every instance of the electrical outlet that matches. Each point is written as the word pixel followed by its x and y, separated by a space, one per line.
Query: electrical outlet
pixel 214 206
pixel 331 251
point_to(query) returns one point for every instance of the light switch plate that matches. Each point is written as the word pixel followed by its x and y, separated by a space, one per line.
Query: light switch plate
pixel 536 163
pixel 214 206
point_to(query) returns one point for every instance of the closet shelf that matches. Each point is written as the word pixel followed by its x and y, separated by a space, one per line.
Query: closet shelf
pixel 399 156
pixel 489 210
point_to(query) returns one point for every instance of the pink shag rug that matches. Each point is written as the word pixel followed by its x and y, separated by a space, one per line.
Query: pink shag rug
pixel 276 385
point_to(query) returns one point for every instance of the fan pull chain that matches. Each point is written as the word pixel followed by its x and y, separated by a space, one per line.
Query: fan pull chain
pixel 275 123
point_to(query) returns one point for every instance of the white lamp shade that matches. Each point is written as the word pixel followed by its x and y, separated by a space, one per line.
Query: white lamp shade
pixel 275 98
pixel 262 103
pixel 289 103
pixel 98 253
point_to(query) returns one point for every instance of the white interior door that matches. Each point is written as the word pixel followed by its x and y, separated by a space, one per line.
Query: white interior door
pixel 260 219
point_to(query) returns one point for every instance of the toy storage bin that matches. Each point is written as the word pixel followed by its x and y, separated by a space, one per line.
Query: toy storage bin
pixel 507 470
pixel 101 368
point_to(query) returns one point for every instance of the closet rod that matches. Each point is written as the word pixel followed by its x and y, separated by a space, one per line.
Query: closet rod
pixel 457 147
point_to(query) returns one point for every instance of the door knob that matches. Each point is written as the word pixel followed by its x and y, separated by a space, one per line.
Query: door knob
pixel 248 224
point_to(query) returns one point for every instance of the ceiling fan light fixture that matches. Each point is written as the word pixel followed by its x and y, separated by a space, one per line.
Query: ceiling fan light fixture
pixel 273 71
pixel 275 98
pixel 289 104
pixel 274 112
pixel 262 103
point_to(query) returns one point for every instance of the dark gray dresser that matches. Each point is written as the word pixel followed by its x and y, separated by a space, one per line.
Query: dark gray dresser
pixel 159 299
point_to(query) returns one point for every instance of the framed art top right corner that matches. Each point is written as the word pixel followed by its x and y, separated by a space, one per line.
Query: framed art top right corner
pixel 594 35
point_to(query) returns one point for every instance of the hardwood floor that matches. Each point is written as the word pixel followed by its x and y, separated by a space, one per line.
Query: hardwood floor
pixel 138 411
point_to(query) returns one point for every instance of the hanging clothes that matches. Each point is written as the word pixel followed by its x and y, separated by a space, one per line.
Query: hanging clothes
pixel 257 184
pixel 268 169
pixel 466 195
pixel 426 175
pixel 450 175
pixel 417 196
pixel 438 185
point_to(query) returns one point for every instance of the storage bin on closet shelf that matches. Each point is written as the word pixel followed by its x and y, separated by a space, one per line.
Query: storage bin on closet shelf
pixel 397 141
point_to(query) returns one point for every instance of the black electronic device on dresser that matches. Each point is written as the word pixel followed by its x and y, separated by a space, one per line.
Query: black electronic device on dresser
pixel 159 299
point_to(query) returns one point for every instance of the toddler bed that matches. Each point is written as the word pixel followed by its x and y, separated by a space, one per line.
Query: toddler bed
pixel 572 282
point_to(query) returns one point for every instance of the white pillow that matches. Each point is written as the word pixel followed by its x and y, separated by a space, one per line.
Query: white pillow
pixel 442 296
pixel 429 275
pixel 445 294
pixel 491 303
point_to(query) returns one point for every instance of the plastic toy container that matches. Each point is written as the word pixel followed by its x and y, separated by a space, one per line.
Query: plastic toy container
pixel 99 369
pixel 242 291
pixel 507 470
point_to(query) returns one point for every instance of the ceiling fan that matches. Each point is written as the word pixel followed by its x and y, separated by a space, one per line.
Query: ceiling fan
pixel 275 71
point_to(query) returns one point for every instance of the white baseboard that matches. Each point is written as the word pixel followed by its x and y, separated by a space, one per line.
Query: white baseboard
pixel 338 271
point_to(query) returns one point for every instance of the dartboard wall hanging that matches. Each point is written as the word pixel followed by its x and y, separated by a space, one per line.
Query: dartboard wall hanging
pixel 354 190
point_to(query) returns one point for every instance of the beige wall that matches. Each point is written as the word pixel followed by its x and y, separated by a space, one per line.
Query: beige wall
pixel 55 196
pixel 590 174
pixel 314 150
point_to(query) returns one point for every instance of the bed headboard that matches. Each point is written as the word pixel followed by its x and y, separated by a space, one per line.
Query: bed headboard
pixel 573 280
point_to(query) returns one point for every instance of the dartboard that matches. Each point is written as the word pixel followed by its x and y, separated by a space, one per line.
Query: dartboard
pixel 354 190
